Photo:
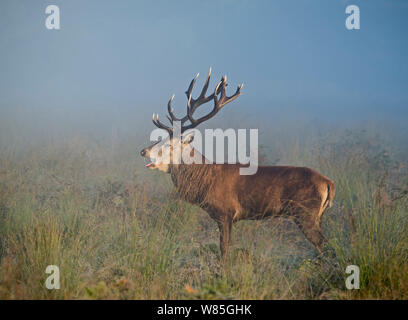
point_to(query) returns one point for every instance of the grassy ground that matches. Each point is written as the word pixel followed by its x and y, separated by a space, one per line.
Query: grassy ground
pixel 117 231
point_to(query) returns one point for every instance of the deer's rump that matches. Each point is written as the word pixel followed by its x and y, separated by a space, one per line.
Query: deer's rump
pixel 278 190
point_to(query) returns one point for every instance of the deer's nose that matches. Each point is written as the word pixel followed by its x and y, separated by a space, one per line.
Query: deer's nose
pixel 143 152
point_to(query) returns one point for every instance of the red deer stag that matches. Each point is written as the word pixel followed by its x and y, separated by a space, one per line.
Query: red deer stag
pixel 227 196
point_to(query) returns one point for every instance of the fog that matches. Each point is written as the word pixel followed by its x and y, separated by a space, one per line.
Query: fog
pixel 111 65
pixel 76 105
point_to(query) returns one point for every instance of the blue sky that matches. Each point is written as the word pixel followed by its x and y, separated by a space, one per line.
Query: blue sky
pixel 293 56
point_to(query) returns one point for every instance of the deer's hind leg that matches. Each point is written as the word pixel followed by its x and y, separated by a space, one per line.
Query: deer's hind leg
pixel 225 227
pixel 313 233
pixel 308 221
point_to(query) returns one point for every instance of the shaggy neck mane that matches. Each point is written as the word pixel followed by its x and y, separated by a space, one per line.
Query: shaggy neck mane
pixel 193 181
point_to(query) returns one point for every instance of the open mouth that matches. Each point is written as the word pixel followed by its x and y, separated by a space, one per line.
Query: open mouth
pixel 150 163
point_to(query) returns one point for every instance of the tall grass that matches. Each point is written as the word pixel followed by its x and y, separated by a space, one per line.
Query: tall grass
pixel 117 231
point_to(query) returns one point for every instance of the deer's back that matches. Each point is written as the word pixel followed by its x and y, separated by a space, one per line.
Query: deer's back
pixel 270 190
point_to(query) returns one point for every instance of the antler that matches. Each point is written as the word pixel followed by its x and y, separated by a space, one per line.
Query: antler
pixel 160 125
pixel 193 104
pixel 218 103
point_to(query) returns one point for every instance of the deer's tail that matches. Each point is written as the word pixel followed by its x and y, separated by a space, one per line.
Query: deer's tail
pixel 331 191
pixel 327 193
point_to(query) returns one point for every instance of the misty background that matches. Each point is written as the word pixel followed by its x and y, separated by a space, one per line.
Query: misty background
pixel 75 112
pixel 113 63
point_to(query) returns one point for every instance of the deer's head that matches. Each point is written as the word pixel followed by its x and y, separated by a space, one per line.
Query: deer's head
pixel 162 153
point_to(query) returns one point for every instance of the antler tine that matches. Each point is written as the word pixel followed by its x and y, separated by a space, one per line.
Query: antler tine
pixel 223 88
pixel 207 82
pixel 171 111
pixel 217 103
pixel 189 91
pixel 160 125
pixel 234 96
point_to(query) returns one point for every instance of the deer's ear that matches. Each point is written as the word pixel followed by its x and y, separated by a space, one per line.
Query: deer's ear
pixel 188 138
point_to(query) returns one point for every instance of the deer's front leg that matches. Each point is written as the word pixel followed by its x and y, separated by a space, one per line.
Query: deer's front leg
pixel 225 226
